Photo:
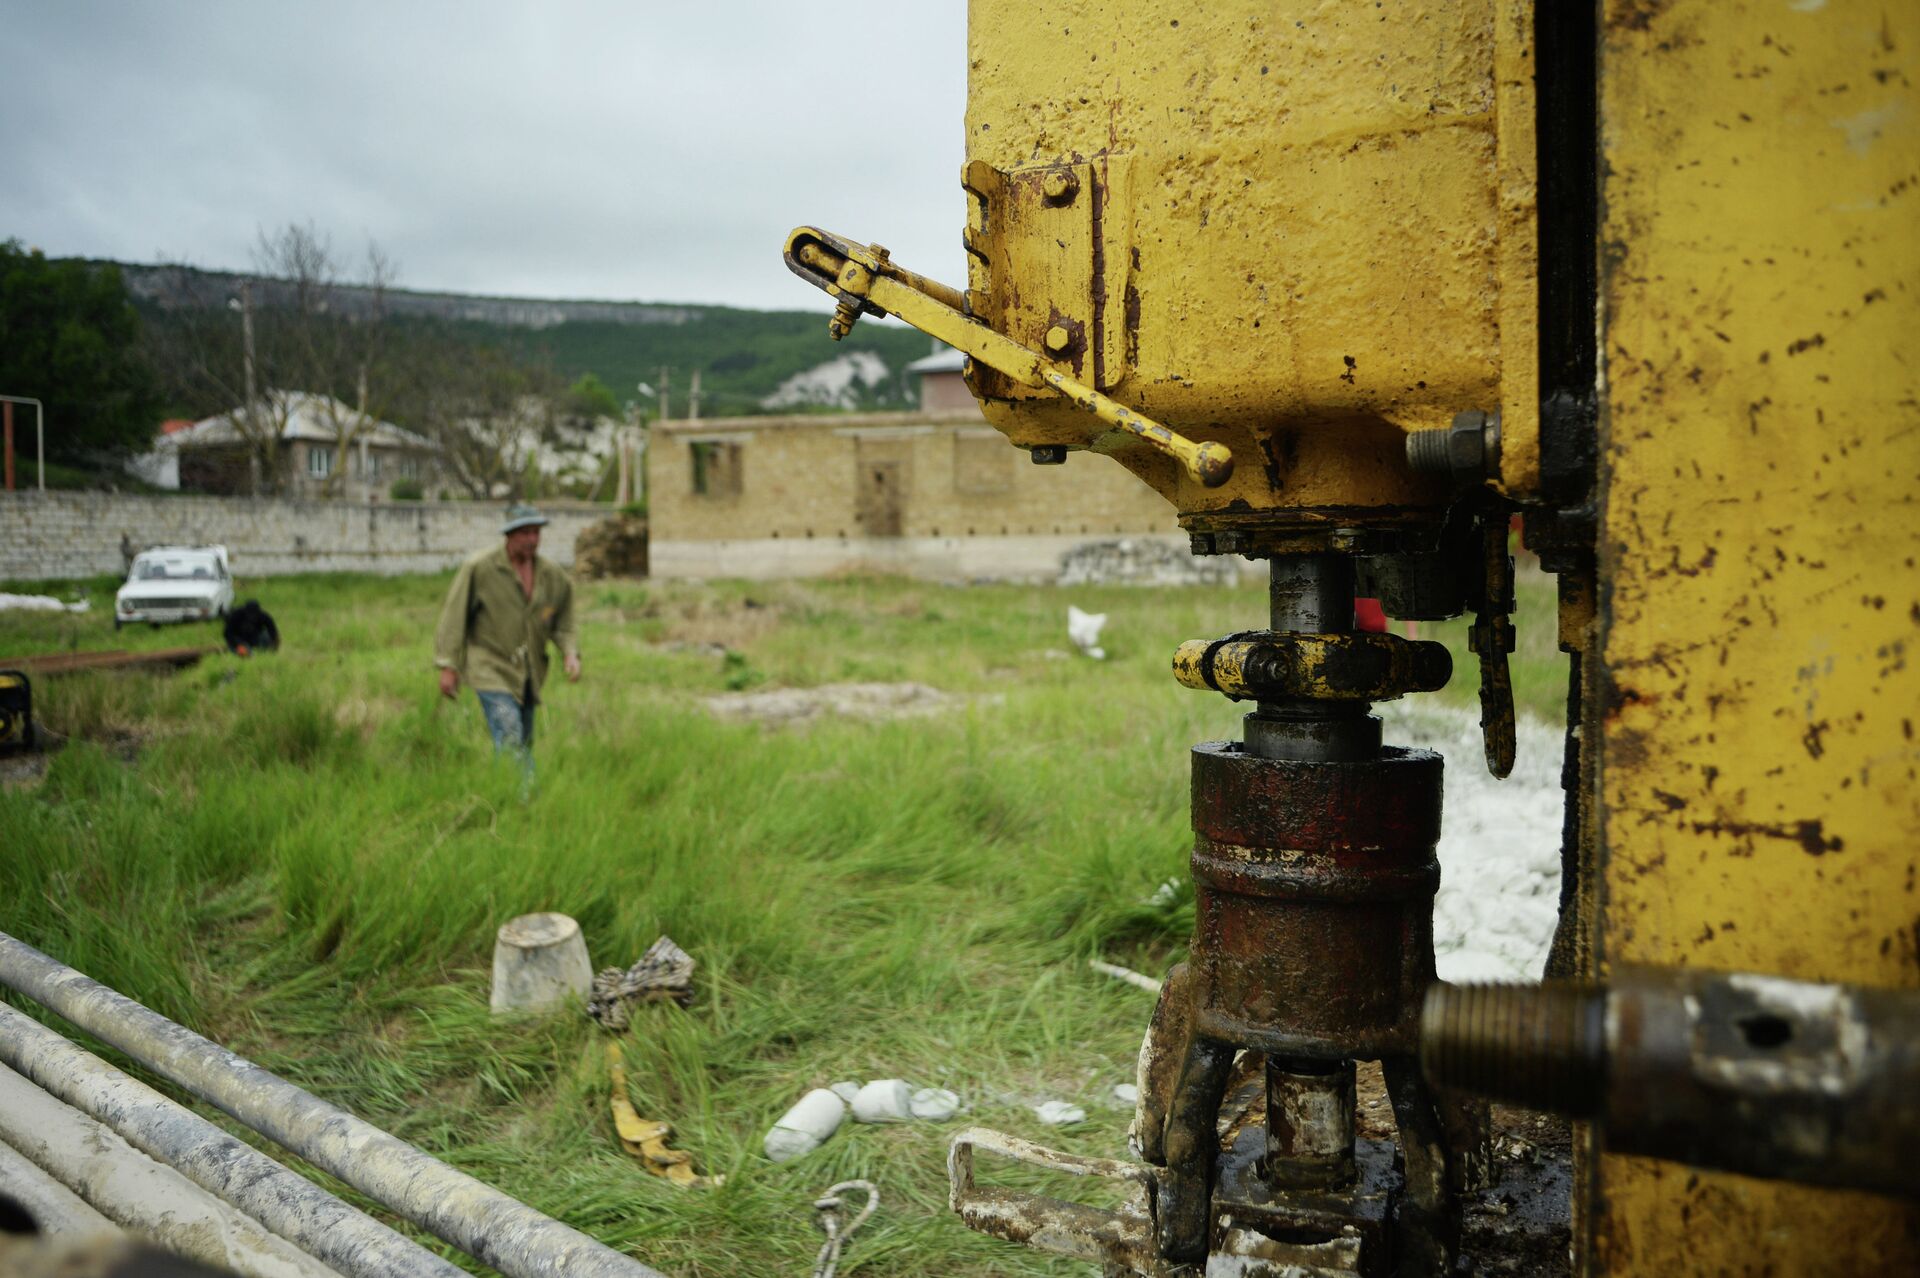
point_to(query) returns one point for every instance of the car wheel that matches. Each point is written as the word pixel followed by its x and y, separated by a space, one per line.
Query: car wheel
pixel 116 623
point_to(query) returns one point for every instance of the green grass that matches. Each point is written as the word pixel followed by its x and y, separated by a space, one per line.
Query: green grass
pixel 305 856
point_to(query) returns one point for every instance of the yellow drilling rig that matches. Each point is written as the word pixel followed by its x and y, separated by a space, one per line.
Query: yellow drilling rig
pixel 1351 285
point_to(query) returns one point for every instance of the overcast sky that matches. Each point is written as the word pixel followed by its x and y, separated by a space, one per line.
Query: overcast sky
pixel 633 151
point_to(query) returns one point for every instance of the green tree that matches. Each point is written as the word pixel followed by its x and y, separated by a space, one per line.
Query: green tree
pixel 590 398
pixel 70 338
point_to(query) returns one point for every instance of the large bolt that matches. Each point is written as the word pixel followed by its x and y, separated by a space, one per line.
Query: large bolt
pixel 1058 339
pixel 1059 186
pixel 1468 451
pixel 1427 452
pixel 1049 455
pixel 1539 1046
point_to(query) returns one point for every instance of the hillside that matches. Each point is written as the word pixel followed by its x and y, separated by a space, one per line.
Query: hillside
pixel 746 358
pixel 749 361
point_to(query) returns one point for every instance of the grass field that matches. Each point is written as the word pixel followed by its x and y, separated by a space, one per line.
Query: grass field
pixel 305 857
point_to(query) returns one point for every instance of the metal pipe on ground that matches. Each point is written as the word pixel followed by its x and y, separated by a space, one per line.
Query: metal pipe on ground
pixel 488 1225
pixel 284 1201
pixel 145 1197
pixel 56 1211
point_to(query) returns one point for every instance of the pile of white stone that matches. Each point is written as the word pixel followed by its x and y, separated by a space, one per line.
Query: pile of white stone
pixel 1145 561
pixel 1499 845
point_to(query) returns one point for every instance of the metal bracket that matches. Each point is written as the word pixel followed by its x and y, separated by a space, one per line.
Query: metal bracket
pixel 1491 638
pixel 1122 1238
pixel 1331 667
pixel 867 282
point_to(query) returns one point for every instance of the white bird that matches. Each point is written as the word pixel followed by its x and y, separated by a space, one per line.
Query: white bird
pixel 1084 629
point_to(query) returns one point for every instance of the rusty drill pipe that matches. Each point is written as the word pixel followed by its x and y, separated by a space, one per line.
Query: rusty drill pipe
pixel 284 1201
pixel 1787 1080
pixel 1537 1046
pixel 490 1226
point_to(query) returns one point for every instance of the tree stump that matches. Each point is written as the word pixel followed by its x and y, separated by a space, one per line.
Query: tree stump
pixel 539 962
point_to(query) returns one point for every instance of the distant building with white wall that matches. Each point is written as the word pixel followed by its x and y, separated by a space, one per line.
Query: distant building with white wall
pixel 324 448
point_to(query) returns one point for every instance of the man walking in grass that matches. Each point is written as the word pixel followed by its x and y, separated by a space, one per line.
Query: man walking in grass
pixel 505 606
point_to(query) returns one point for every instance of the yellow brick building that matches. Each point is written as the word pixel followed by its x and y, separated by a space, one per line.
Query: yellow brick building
pixel 935 493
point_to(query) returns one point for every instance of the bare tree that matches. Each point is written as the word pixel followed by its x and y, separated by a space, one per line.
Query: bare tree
pixel 303 325
pixel 334 330
pixel 484 410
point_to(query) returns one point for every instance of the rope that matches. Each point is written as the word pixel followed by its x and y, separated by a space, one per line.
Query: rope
pixel 828 1207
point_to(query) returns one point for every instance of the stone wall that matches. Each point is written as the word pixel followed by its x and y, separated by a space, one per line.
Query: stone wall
pixel 47 536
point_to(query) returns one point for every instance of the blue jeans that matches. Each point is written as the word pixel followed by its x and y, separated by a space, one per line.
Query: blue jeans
pixel 510 723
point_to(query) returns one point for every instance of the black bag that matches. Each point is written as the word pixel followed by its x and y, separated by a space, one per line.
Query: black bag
pixel 250 628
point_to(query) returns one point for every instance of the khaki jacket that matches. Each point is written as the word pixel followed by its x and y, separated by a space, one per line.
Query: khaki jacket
pixel 494 635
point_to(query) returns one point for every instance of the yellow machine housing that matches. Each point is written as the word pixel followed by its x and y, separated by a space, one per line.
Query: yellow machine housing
pixel 1299 229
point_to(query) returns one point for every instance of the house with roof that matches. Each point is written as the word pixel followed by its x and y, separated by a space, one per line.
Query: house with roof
pixel 160 465
pixel 935 492
pixel 323 447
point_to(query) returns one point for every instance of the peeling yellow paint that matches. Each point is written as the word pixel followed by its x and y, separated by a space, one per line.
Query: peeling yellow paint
pixel 1761 601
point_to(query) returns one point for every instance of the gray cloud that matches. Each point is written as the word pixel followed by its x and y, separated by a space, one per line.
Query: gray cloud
pixel 635 151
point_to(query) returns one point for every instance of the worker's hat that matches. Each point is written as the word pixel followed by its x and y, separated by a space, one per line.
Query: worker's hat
pixel 520 515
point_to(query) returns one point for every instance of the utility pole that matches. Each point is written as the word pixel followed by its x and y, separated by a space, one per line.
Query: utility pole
pixel 666 377
pixel 253 417
pixel 693 398
pixel 6 409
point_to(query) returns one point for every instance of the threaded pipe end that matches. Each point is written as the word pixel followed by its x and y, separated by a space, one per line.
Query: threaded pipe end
pixel 1538 1046
pixel 1429 452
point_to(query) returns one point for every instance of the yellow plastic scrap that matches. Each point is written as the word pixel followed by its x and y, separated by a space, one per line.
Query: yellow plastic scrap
pixel 646 1138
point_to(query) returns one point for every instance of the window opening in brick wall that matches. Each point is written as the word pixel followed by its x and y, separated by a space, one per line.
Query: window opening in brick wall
pixel 982 465
pixel 319 461
pixel 717 469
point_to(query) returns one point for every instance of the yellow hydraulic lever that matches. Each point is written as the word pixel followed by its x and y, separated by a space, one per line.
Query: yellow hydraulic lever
pixel 866 282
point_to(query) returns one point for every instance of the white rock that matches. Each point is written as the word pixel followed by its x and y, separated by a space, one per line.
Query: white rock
pixel 884 1100
pixel 1500 849
pixel 935 1104
pixel 845 1091
pixel 1059 1113
pixel 1166 894
pixel 1126 1093
pixel 802 1128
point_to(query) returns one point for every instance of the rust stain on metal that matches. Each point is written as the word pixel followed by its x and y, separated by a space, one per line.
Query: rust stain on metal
pixel 1810 834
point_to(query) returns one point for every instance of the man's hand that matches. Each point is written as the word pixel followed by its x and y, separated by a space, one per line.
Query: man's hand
pixel 572 667
pixel 449 682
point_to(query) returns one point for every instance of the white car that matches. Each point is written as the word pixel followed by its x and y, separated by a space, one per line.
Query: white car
pixel 175 583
